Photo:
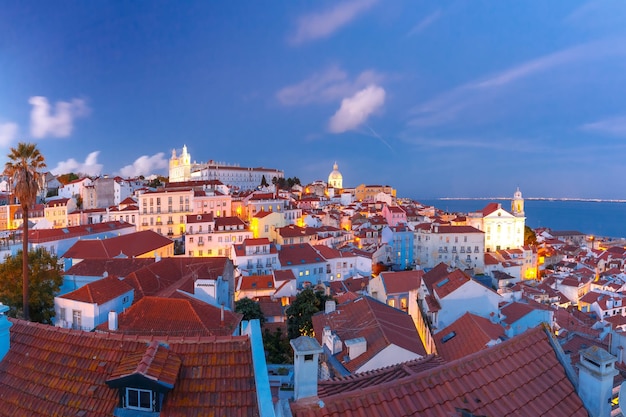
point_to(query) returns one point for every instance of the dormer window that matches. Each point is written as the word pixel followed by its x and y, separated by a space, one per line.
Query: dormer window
pixel 141 380
pixel 139 399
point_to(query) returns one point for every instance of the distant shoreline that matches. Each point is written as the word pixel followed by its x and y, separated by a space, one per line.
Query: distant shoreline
pixel 584 200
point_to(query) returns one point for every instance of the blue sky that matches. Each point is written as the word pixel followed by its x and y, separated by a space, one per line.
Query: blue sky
pixel 438 98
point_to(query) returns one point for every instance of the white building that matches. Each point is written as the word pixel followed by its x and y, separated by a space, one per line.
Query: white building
pixel 503 230
pixel 182 169
pixel 89 306
pixel 458 246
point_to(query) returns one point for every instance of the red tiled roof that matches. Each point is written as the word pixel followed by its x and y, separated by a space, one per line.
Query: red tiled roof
pixel 177 316
pixel 284 275
pixel 468 334
pixel 514 311
pixel 169 274
pixel 380 325
pixel 521 376
pixel 229 221
pixel 300 254
pixel 71 232
pixel 490 208
pixel 352 383
pixel 401 281
pixel 450 283
pixel 50 371
pixel 100 291
pixel 131 245
pixel 199 218
pixel 156 363
pixel 431 277
pixel 295 231
pixel 458 229
pixel 119 267
pixel 256 282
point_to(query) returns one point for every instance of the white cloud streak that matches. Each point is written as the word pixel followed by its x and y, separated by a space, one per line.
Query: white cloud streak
pixel 89 167
pixel 447 106
pixel 615 126
pixel 323 24
pixel 60 123
pixel 423 24
pixel 8 132
pixel 145 165
pixel 355 110
pixel 327 86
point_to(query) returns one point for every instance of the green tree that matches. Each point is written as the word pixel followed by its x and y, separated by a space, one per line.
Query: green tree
pixel 277 347
pixel 299 313
pixel 250 309
pixel 24 171
pixel 530 238
pixel 45 281
pixel 264 182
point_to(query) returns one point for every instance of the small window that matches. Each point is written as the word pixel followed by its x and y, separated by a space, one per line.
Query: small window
pixel 308 358
pixel 139 399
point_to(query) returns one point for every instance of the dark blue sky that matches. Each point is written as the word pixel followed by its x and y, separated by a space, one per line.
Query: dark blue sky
pixel 446 98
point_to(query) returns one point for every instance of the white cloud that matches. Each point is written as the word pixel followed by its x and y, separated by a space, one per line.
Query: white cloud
pixel 8 131
pixel 89 167
pixel 323 24
pixel 424 23
pixel 322 87
pixel 145 165
pixel 448 105
pixel 615 126
pixel 355 110
pixel 60 123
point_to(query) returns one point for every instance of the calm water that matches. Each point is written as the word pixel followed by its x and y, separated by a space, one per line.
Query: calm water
pixel 597 218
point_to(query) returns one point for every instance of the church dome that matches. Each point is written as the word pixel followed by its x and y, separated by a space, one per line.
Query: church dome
pixel 335 179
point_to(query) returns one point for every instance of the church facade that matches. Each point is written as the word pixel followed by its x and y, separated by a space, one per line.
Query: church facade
pixel 181 169
pixel 503 229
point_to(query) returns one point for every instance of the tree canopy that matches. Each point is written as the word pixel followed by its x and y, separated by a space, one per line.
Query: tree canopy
pixel 299 313
pixel 287 183
pixel 250 309
pixel 45 281
pixel 530 238
pixel 24 171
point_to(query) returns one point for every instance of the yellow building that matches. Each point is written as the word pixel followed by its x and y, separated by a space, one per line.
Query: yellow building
pixel 165 211
pixel 369 192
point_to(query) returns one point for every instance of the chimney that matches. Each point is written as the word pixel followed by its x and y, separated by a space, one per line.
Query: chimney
pixel 113 320
pixel 5 335
pixel 356 347
pixel 596 370
pixel 331 341
pixel 306 353
pixel 329 306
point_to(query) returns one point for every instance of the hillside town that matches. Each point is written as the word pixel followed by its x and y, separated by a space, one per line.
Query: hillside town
pixel 414 310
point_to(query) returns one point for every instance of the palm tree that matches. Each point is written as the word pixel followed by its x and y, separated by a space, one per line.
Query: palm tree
pixel 23 169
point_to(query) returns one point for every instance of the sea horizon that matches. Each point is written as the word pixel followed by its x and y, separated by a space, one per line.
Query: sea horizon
pixel 597 217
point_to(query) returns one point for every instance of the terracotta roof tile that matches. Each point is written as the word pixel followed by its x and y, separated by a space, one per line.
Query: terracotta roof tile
pixel 100 291
pixel 50 371
pixel 521 376
pixel 401 281
pixel 380 325
pixel 131 245
pixel 467 335
pixel 119 267
pixel 177 316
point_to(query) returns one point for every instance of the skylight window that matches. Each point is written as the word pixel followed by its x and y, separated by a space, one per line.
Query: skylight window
pixel 448 337
pixel 442 282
